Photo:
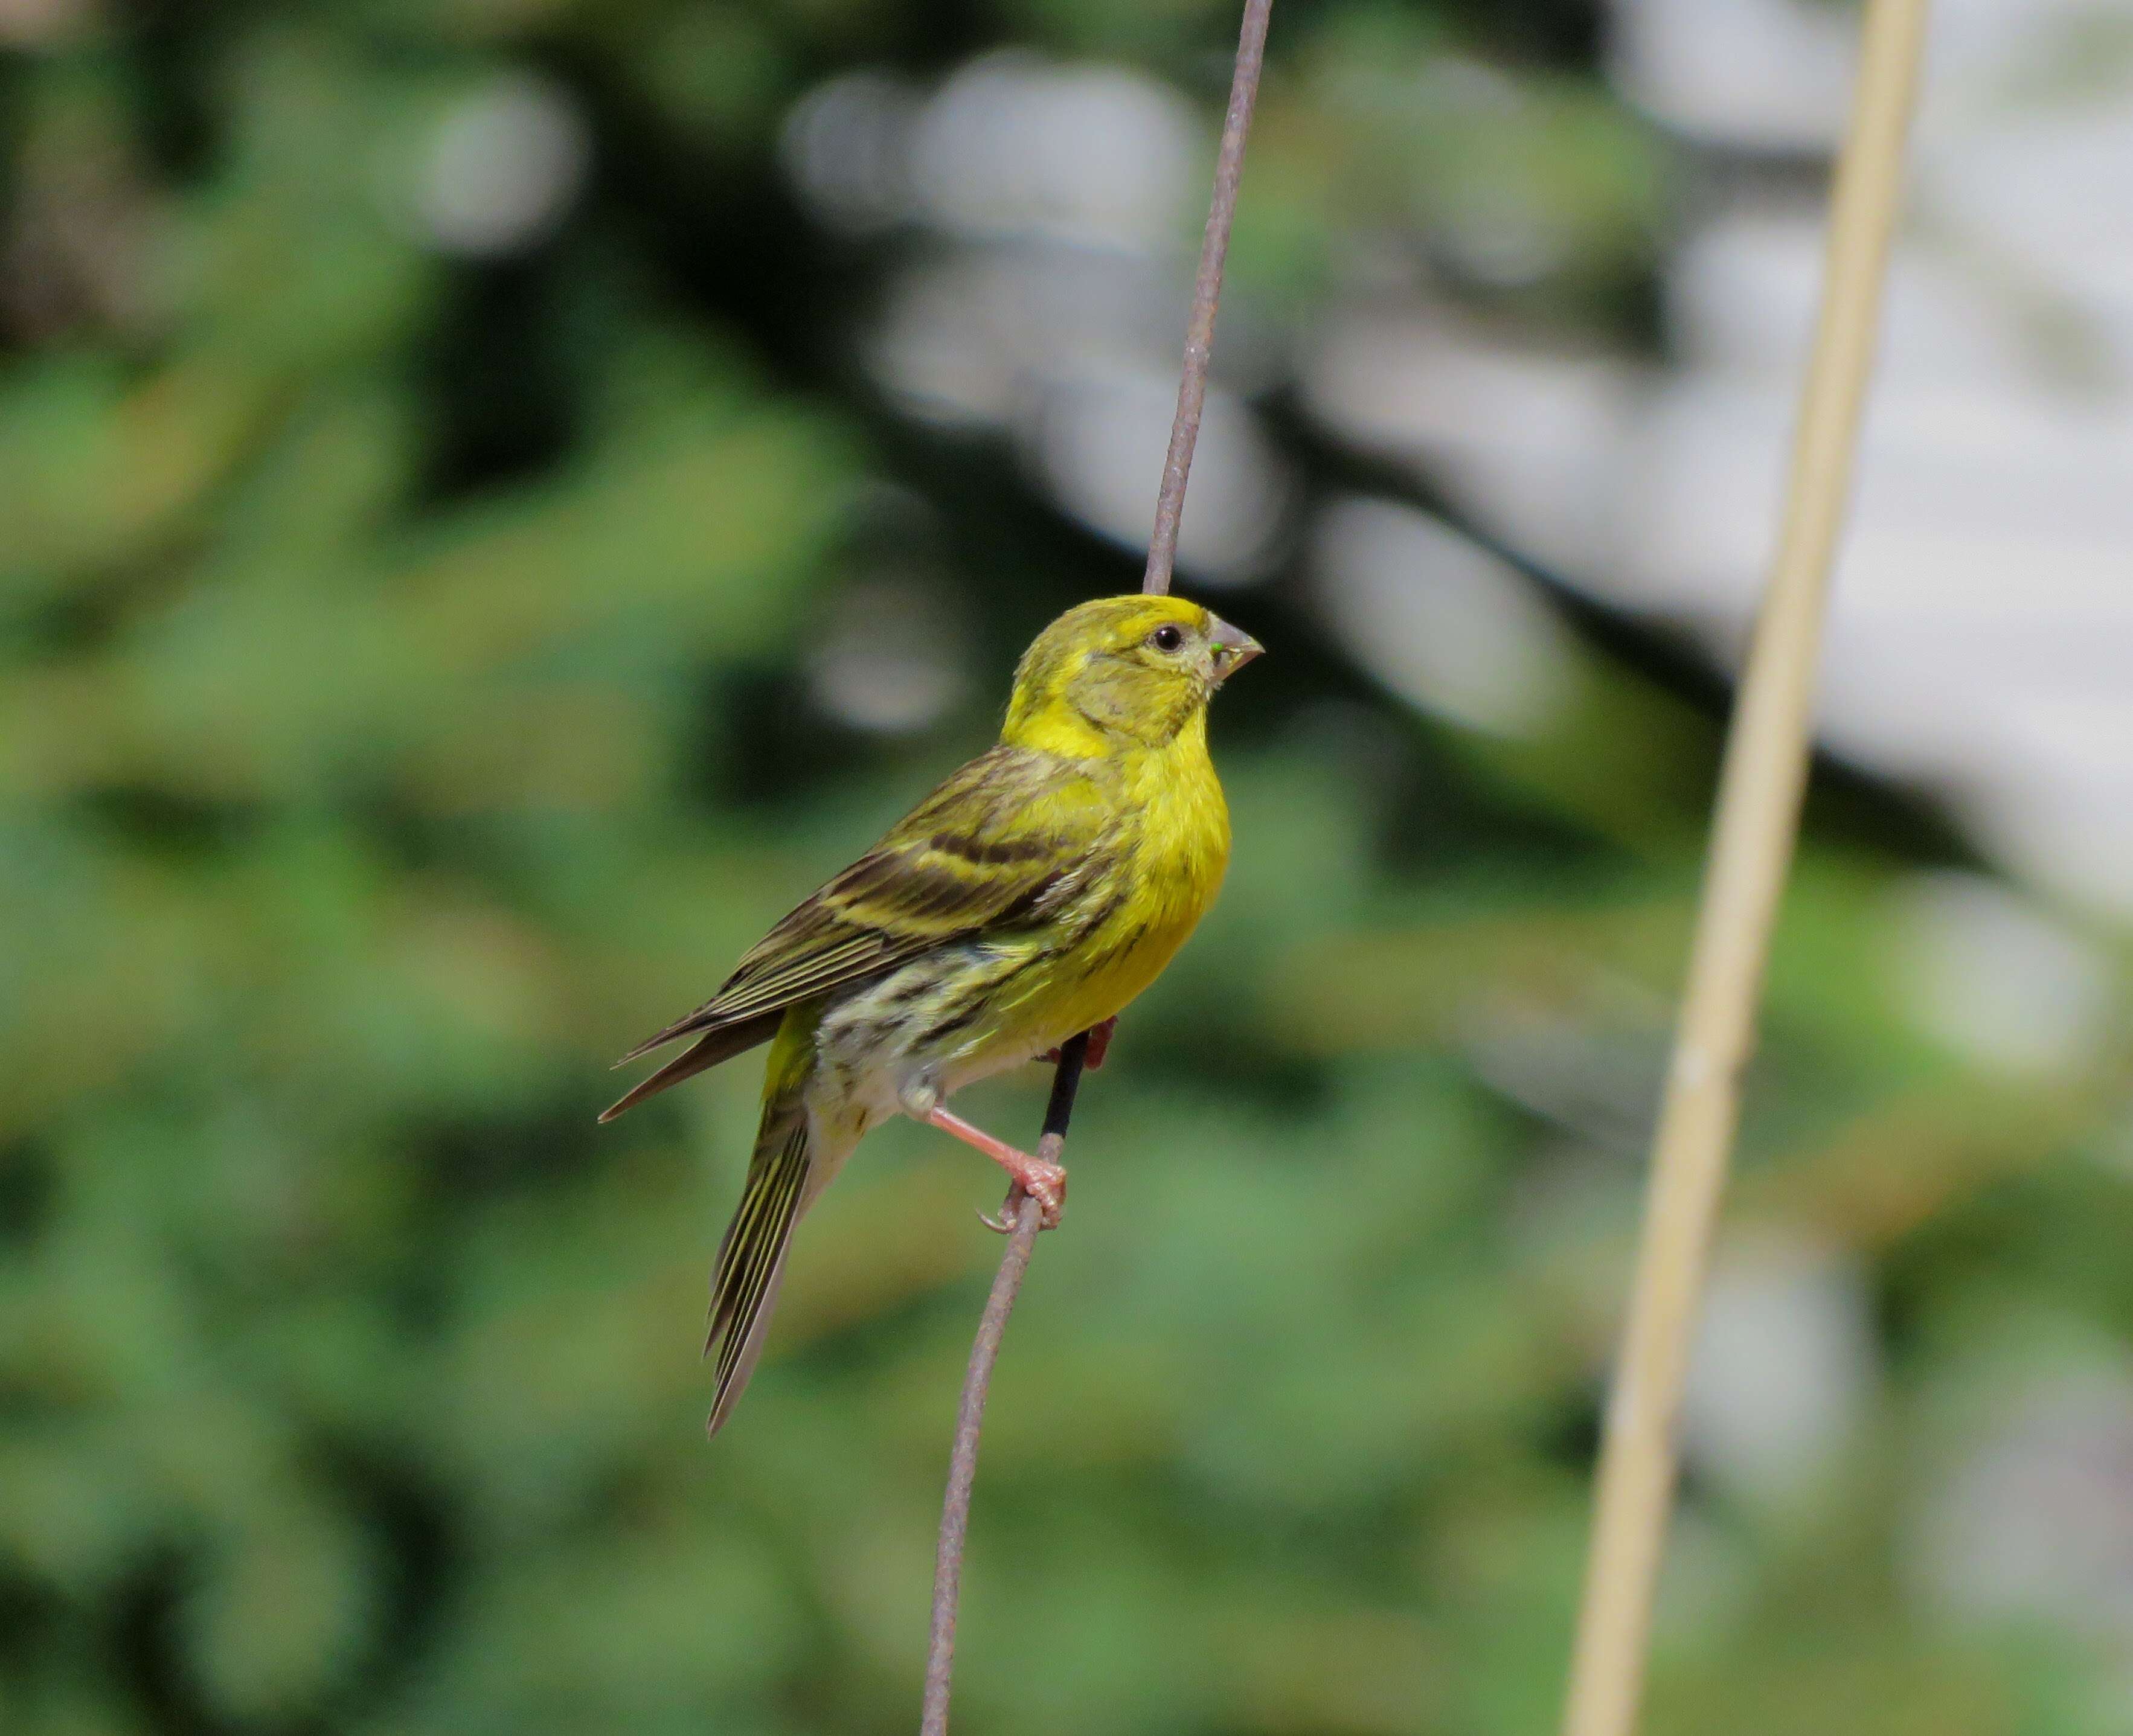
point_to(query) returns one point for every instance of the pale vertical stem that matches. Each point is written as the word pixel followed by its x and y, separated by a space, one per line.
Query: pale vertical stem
pixel 1761 788
pixel 1206 295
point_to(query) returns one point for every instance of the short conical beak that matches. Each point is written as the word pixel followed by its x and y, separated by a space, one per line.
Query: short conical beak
pixel 1233 647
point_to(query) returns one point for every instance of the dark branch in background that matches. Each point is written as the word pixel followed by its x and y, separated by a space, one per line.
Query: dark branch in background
pixel 1026 1214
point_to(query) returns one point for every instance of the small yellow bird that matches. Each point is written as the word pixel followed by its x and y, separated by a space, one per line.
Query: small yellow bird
pixel 1027 899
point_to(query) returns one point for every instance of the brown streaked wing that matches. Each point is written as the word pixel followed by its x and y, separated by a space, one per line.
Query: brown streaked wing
pixel 975 855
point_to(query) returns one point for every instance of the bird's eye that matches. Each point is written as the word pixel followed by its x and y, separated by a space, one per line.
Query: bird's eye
pixel 1167 637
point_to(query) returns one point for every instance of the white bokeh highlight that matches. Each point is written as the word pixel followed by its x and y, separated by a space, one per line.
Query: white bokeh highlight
pixel 1440 621
pixel 1785 1369
pixel 503 167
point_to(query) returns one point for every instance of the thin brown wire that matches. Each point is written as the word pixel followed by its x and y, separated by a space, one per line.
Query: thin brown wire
pixel 1027 1217
pixel 1760 789
pixel 1206 296
pixel 1066 1079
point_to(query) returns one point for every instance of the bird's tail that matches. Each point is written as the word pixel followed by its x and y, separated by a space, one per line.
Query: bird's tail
pixel 751 1263
pixel 719 1043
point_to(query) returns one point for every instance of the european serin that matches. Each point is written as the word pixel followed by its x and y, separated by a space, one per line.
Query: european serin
pixel 1028 898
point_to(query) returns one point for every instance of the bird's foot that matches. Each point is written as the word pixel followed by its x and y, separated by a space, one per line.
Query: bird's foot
pixel 1099 1045
pixel 1041 1180
pixel 1046 1183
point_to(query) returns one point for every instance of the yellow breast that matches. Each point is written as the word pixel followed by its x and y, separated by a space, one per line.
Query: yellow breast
pixel 1175 844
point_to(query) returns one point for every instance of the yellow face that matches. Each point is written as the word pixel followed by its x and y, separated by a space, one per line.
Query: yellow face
pixel 1138 666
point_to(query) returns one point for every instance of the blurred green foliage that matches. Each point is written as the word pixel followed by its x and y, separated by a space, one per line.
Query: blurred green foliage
pixel 405 706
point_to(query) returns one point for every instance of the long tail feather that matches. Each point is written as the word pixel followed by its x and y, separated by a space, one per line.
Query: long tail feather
pixel 751 1260
pixel 673 1033
pixel 722 1043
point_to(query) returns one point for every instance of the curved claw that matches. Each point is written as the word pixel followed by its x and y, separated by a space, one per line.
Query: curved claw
pixel 1010 1211
pixel 1050 1194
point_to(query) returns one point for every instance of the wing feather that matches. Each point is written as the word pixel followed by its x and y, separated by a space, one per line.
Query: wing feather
pixel 1009 833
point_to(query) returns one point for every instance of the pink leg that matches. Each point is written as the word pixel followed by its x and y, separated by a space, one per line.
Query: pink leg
pixel 1099 1045
pixel 1046 1183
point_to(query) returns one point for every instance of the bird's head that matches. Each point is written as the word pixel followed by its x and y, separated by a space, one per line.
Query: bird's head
pixel 1140 668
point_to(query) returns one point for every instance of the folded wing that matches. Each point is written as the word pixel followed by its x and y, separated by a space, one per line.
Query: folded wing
pixel 998 844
